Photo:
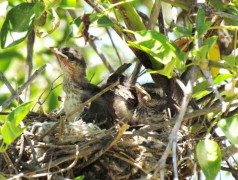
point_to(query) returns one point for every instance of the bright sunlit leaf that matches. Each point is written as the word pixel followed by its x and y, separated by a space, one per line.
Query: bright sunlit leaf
pixel 209 158
pixel 230 128
pixel 79 178
pixel 10 132
pixel 159 47
pixel 18 114
pixel 17 25
pixel 201 24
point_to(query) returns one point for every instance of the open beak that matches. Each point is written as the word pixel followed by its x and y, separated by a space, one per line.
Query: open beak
pixel 142 94
pixel 59 55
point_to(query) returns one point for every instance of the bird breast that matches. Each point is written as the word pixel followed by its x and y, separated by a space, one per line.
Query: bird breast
pixel 73 100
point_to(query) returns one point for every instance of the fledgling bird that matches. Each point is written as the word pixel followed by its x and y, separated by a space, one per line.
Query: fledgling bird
pixel 153 106
pixel 124 97
pixel 78 90
pixel 140 104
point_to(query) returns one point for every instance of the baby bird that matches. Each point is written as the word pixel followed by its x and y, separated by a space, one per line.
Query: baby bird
pixel 78 90
pixel 152 105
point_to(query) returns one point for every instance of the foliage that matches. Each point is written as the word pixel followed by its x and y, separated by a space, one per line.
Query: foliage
pixel 10 130
pixel 58 23
pixel 209 158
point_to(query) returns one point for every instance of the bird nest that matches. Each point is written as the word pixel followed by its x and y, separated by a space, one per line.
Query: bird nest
pixel 50 149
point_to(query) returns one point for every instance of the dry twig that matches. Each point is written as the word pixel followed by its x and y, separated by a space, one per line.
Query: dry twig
pixel 9 86
pixel 154 14
pixel 101 55
pixel 29 63
pixel 20 90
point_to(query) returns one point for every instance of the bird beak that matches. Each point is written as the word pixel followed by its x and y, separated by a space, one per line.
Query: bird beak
pixel 142 94
pixel 59 55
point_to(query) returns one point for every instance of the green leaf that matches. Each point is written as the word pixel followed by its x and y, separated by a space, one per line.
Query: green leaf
pixel 195 128
pixel 2 177
pixel 158 46
pixel 10 132
pixel 204 84
pixel 104 22
pixel 69 3
pixel 201 53
pixel 200 87
pixel 52 3
pixel 218 5
pixel 167 70
pixel 17 25
pixel 230 128
pixel 209 158
pixel 55 22
pixel 184 31
pixel 231 60
pixel 222 77
pixel 39 9
pixel 201 25
pixel 100 20
pixel 79 178
pixel 18 114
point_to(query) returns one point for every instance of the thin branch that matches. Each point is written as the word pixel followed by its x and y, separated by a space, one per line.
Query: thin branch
pixel 121 130
pixel 154 15
pixel 122 68
pixel 229 151
pixel 142 56
pixel 135 73
pixel 83 152
pixel 91 99
pixel 101 55
pixel 4 113
pixel 186 5
pixel 29 63
pixel 114 46
pixel 178 122
pixel 22 147
pixel 208 76
pixel 9 161
pixel 218 64
pixel 209 96
pixel 226 15
pixel 20 90
pixel 9 86
pixel 52 87
pixel 194 114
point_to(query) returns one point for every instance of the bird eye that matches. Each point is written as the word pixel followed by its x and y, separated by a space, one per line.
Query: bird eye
pixel 69 55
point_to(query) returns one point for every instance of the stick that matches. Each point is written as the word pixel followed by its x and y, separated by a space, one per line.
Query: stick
pixel 135 73
pixel 114 46
pixel 29 64
pixel 20 90
pixel 92 99
pixel 9 86
pixel 154 14
pixel 101 55
pixel 178 122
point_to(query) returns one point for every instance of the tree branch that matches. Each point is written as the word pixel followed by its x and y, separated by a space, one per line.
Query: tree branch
pixel 154 15
pixel 29 63
pixel 9 86
pixel 101 55
pixel 20 90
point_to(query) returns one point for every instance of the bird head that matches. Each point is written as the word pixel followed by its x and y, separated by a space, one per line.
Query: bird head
pixel 148 96
pixel 71 62
pixel 143 95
